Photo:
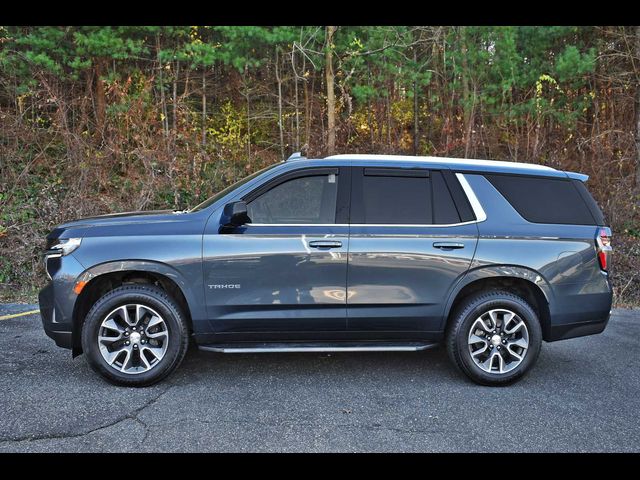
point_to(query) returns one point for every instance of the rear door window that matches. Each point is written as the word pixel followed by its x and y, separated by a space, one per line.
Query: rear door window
pixel 403 196
pixel 395 196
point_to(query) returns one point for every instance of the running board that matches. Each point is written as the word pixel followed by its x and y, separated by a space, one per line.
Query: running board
pixel 317 347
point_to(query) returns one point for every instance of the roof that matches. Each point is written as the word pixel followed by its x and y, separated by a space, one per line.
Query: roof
pixel 462 164
pixel 457 162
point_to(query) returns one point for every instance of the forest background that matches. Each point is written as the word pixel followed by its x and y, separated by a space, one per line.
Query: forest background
pixel 104 119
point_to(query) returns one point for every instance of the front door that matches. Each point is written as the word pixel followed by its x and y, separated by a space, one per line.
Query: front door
pixel 410 242
pixel 285 271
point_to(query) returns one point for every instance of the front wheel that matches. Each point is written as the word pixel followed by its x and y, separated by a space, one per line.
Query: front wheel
pixel 494 337
pixel 135 335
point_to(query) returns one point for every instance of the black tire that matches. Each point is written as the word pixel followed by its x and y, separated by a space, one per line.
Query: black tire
pixel 464 317
pixel 150 296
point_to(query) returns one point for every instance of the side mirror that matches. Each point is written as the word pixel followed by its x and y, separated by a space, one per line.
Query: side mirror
pixel 235 214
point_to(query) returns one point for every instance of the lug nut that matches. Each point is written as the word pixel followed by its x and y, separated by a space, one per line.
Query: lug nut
pixel 142 341
pixel 127 342
pixel 126 334
pixel 135 345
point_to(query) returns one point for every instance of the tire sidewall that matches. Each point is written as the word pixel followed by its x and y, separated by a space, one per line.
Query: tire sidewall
pixel 153 298
pixel 481 306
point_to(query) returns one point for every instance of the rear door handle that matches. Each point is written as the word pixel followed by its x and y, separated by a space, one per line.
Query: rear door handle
pixel 325 244
pixel 448 245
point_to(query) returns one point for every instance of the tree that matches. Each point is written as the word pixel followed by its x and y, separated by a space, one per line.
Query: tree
pixel 637 105
pixel 331 101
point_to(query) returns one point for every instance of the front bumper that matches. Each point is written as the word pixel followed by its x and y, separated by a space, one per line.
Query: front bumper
pixel 57 328
pixel 57 300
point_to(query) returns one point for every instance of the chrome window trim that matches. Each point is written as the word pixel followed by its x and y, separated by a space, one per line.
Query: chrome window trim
pixel 481 216
pixel 417 225
pixel 296 224
pixel 403 225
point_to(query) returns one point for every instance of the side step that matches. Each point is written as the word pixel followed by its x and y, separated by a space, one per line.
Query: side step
pixel 318 347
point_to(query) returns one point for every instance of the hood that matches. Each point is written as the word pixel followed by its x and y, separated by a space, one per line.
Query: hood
pixel 119 222
pixel 124 218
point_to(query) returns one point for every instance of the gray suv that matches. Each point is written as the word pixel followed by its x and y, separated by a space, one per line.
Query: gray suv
pixel 346 253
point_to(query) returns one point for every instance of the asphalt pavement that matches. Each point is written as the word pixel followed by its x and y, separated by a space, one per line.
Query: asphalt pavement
pixel 582 396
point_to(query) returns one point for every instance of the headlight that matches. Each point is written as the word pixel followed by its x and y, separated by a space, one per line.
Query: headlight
pixel 64 247
pixel 60 248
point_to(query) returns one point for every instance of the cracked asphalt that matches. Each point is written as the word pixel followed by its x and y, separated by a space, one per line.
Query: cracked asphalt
pixel 582 396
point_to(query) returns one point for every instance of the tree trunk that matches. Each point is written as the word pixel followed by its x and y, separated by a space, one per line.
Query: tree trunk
pixel 388 108
pixel 331 100
pixel 248 95
pixel 468 104
pixel 163 100
pixel 175 98
pixel 279 80
pixel 372 139
pixel 637 117
pixel 204 106
pixel 307 110
pixel 295 85
pixel 101 102
pixel 416 134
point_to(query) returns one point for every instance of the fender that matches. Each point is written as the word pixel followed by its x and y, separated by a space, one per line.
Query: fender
pixel 499 271
pixel 195 305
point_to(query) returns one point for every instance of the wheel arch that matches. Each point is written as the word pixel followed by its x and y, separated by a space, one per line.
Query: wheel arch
pixel 105 277
pixel 522 281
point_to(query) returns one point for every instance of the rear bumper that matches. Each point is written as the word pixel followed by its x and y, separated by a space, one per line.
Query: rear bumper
pixel 578 329
pixel 579 315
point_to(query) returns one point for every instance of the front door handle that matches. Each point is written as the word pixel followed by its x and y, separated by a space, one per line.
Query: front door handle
pixel 448 245
pixel 325 244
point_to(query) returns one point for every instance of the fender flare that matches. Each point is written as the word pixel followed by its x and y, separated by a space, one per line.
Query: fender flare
pixel 154 267
pixel 499 271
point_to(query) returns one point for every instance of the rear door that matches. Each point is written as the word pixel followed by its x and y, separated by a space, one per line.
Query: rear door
pixel 412 237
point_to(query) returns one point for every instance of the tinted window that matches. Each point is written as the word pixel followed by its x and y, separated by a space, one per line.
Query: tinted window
pixel 394 197
pixel 459 197
pixel 591 203
pixel 544 200
pixel 444 210
pixel 309 199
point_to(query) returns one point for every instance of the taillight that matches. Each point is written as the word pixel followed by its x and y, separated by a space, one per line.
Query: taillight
pixel 603 246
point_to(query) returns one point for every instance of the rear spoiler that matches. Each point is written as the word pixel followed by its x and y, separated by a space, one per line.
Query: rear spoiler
pixel 577 176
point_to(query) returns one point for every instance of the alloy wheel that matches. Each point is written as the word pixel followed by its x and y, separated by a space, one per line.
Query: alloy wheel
pixel 498 341
pixel 133 339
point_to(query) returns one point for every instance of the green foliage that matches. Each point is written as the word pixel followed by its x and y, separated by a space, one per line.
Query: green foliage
pixel 103 118
pixel 228 129
pixel 67 51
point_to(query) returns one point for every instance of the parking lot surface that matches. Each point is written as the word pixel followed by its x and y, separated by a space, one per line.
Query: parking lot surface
pixel 583 395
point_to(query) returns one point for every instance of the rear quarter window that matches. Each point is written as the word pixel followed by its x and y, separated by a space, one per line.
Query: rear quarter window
pixel 544 199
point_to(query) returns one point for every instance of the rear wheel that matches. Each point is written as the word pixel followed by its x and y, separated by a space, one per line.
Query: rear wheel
pixel 135 335
pixel 494 337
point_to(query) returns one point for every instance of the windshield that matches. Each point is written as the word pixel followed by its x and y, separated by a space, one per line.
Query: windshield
pixel 222 193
